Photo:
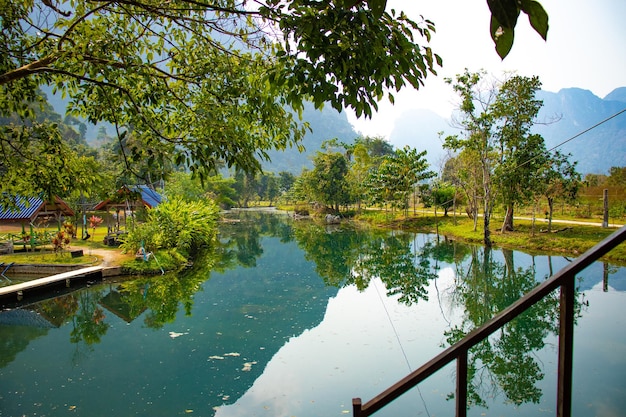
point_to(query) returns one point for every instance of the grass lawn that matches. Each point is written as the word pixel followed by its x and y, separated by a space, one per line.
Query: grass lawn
pixel 565 239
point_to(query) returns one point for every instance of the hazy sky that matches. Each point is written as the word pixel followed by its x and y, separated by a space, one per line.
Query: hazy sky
pixel 586 48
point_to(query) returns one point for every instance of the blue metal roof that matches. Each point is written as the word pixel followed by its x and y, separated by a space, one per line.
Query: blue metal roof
pixel 26 209
pixel 148 195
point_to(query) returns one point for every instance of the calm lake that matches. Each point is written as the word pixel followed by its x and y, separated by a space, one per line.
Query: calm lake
pixel 290 318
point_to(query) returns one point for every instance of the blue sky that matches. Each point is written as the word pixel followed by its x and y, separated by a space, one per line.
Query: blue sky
pixel 585 48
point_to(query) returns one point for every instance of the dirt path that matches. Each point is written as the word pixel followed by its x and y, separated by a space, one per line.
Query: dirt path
pixel 110 257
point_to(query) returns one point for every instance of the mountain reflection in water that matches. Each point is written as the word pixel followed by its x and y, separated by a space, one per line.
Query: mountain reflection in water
pixel 293 318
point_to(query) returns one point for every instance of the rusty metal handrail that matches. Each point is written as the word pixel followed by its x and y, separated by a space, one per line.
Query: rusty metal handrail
pixel 564 279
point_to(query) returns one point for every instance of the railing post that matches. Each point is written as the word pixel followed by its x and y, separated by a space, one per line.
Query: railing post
pixel 356 407
pixel 461 384
pixel 566 349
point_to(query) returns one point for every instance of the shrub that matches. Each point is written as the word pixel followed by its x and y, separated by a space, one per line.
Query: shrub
pixel 176 224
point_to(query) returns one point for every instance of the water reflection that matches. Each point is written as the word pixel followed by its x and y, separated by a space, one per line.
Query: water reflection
pixel 506 363
pixel 279 297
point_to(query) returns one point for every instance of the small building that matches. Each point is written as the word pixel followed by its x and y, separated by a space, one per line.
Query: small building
pixel 127 200
pixel 131 198
pixel 29 210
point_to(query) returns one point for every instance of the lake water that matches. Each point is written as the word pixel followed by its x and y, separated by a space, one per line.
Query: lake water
pixel 295 319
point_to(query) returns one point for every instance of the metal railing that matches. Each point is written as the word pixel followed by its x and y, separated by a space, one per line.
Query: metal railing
pixel 565 279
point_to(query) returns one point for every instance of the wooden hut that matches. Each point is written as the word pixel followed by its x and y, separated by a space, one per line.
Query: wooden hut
pixel 28 210
pixel 127 200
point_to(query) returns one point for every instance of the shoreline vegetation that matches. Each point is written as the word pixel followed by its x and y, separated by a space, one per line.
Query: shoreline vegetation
pixel 566 238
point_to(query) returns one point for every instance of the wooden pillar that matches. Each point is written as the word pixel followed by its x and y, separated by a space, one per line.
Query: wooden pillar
pixel 566 350
pixel 356 407
pixel 461 385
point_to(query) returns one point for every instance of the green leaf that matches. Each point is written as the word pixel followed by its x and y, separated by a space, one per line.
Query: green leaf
pixel 502 37
pixel 505 11
pixel 378 7
pixel 537 16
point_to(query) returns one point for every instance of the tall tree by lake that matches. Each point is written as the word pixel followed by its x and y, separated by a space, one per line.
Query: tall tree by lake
pixel 514 163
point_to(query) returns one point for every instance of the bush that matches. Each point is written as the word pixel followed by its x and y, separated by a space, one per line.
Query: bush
pixel 175 224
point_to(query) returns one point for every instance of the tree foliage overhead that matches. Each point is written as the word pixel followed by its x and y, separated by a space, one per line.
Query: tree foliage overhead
pixel 201 82
pixel 198 84
pixel 504 15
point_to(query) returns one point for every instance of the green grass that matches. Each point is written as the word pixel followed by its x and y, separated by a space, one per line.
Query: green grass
pixel 46 257
pixel 572 240
pixel 163 260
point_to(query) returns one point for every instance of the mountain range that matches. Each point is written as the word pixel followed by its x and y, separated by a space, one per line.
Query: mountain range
pixel 573 120
pixel 566 121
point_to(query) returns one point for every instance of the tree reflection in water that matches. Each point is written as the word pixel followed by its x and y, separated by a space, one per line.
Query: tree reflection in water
pixel 506 363
pixel 88 321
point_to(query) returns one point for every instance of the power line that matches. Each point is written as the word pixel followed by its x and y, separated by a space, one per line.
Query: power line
pixel 587 130
pixel 575 136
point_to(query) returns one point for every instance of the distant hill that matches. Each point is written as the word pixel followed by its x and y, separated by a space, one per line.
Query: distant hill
pixel 596 150
pixel 326 124
pixel 419 129
pixel 563 115
pixel 619 94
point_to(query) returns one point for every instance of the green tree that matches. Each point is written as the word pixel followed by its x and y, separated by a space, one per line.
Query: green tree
pixel 328 179
pixel 360 167
pixel 301 191
pixel 521 154
pixel 268 188
pixel 182 186
pixel 463 171
pixel 285 181
pixel 558 179
pixel 377 147
pixel 397 176
pixel 245 186
pixel 443 196
pixel 273 191
pixel 617 176
pixel 46 157
pixel 478 142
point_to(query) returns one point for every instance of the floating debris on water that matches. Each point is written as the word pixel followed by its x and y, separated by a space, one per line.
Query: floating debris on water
pixel 247 367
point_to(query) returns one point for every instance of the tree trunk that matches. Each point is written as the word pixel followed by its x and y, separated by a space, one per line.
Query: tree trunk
pixel 487 218
pixel 550 208
pixel 532 227
pixel 507 225
pixel 486 232
pixel 487 202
